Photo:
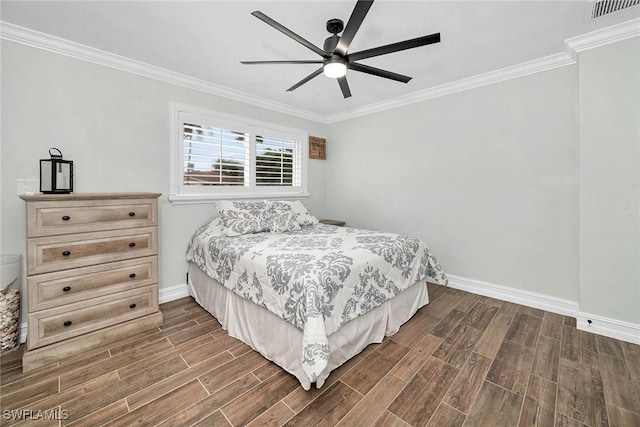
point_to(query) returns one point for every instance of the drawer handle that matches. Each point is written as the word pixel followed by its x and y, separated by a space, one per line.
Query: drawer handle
pixel 67 323
pixel 132 306
pixel 66 288
pixel 132 214
pixel 66 218
pixel 132 244
pixel 132 275
pixel 66 253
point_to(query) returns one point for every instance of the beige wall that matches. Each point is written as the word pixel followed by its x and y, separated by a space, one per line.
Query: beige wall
pixel 609 106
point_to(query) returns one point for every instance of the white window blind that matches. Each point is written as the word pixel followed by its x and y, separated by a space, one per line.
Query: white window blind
pixel 218 156
pixel 278 162
pixel 215 156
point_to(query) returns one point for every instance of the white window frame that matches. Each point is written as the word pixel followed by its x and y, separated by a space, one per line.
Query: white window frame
pixel 186 194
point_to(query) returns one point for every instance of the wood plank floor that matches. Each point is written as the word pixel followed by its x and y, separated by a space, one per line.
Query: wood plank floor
pixel 462 360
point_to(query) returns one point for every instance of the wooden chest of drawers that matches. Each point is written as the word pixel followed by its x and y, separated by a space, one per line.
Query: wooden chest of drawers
pixel 91 272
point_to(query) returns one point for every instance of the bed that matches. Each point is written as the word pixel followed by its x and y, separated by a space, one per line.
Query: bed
pixel 305 295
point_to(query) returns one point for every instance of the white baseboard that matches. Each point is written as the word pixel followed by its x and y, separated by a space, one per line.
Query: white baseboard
pixel 518 296
pixel 174 292
pixel 608 327
pixel 612 328
pixel 23 332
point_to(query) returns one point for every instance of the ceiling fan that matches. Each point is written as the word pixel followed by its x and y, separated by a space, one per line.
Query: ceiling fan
pixel 335 57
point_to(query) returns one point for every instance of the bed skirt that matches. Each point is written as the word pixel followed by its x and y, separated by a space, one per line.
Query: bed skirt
pixel 280 342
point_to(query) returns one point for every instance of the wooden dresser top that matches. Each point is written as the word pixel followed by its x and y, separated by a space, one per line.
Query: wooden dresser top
pixel 86 196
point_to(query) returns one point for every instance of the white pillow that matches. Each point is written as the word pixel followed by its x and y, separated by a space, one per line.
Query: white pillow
pixel 282 218
pixel 303 215
pixel 243 216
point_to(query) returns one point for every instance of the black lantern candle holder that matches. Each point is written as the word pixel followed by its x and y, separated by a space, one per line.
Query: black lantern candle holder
pixel 56 175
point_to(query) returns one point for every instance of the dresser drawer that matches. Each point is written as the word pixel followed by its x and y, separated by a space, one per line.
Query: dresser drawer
pixel 50 326
pixel 46 254
pixel 54 289
pixel 48 218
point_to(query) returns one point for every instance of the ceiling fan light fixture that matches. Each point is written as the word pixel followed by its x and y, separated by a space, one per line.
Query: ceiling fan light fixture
pixel 335 69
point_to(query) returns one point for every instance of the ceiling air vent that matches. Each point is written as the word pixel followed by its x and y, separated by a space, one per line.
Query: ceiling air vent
pixel 604 7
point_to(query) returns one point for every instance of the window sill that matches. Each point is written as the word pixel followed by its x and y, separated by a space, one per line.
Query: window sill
pixel 190 199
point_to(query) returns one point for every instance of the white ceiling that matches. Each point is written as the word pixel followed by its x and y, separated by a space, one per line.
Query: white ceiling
pixel 208 39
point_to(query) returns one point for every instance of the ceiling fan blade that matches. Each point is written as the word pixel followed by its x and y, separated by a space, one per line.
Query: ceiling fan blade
pixel 395 47
pixel 379 72
pixel 281 62
pixel 357 16
pixel 306 79
pixel 344 87
pixel 264 18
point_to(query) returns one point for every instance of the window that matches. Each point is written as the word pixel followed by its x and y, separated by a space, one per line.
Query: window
pixel 219 156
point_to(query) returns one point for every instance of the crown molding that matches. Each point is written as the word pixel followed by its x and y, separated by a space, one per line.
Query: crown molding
pixel 507 73
pixel 602 37
pixel 36 39
pixel 572 47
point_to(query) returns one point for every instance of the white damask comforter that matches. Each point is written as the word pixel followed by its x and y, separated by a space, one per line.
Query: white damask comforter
pixel 318 278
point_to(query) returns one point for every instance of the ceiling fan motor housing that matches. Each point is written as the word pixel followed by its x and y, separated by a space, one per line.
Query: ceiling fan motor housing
pixel 330 44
